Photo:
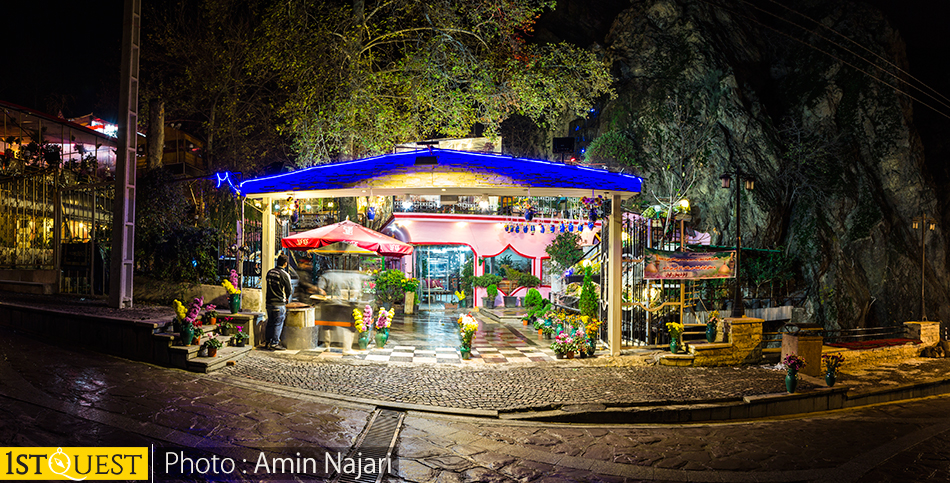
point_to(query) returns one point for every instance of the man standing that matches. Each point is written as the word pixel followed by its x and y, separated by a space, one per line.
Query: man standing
pixel 279 290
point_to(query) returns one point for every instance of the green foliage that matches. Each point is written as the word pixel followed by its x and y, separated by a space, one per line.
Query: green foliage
pixel 487 280
pixel 523 279
pixel 390 287
pixel 565 250
pixel 532 298
pixel 409 70
pixel 539 310
pixel 468 275
pixel 863 219
pixel 169 243
pixel 411 285
pixel 613 147
pixel 492 291
pixel 588 302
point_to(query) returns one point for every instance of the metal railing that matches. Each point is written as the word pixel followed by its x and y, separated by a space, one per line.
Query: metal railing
pixel 863 334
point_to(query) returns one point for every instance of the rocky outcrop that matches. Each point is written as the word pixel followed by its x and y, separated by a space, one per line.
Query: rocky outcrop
pixel 820 121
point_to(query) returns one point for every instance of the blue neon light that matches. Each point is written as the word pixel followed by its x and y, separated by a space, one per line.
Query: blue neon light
pixel 221 178
pixel 359 173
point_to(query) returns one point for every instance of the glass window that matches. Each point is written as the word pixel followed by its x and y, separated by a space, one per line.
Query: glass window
pixel 508 257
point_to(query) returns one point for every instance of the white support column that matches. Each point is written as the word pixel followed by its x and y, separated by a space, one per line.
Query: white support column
pixel 268 235
pixel 614 281
pixel 123 218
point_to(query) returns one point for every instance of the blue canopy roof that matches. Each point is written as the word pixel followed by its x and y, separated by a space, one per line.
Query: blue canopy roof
pixel 444 172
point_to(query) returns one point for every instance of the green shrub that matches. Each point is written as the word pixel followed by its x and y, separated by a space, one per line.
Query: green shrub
pixel 492 291
pixel 533 298
pixel 588 303
pixel 389 287
pixel 487 280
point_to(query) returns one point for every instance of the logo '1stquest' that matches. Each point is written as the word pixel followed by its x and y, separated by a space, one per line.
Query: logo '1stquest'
pixel 73 463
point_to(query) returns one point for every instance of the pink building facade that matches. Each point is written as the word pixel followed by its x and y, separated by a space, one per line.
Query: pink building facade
pixel 471 238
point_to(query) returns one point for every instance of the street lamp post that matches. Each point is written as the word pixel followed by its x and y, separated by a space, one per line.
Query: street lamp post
pixel 925 223
pixel 738 307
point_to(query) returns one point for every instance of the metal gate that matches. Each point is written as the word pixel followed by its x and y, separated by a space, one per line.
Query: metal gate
pixel 86 238
pixel 646 305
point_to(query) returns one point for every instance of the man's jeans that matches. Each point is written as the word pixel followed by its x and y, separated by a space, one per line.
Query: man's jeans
pixel 275 324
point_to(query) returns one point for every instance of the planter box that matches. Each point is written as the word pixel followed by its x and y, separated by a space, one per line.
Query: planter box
pixel 488 302
pixel 511 301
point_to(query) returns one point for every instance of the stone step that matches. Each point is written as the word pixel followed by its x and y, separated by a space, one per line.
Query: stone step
pixel 225 355
pixel 680 360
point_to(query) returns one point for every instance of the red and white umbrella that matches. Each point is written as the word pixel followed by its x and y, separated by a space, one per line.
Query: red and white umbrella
pixel 349 232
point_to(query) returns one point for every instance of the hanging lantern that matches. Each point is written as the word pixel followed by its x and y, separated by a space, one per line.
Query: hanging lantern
pixel 528 214
pixel 371 213
pixel 570 227
pixel 563 227
pixel 592 215
pixel 532 229
pixel 590 224
pixel 542 228
pixel 517 228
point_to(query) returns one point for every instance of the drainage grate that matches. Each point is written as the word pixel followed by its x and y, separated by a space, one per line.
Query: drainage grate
pixel 374 444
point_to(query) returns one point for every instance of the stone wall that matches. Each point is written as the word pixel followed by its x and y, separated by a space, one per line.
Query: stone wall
pixel 745 346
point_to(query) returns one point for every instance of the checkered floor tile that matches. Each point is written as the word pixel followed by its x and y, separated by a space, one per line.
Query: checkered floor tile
pixel 435 341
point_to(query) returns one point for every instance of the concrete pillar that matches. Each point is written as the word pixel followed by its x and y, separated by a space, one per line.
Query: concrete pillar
pixel 614 281
pixel 268 234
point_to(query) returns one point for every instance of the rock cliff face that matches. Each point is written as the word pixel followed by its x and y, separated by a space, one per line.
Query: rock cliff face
pixel 829 136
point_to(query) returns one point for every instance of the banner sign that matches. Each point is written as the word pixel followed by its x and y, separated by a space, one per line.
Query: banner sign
pixel 659 264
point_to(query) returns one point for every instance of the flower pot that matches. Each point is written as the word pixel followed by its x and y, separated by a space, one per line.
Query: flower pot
pixel 791 380
pixel 363 340
pixel 540 333
pixel 212 352
pixel 591 346
pixel 570 354
pixel 830 377
pixel 559 355
pixel 185 335
pixel 511 301
pixel 195 340
pixel 222 330
pixel 466 353
pixel 234 302
pixel 675 345
pixel 488 302
pixel 710 333
pixel 382 336
pixel 212 320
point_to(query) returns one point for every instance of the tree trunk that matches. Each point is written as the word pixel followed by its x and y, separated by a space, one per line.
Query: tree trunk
pixel 156 134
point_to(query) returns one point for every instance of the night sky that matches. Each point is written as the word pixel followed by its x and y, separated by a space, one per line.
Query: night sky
pixel 66 54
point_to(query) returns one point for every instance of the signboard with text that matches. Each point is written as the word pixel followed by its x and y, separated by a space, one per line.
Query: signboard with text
pixel 663 265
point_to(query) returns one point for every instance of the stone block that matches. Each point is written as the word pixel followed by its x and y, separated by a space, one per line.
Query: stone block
pixel 928 332
pixel 807 348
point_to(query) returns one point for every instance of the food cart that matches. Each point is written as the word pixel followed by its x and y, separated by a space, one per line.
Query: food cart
pixel 328 318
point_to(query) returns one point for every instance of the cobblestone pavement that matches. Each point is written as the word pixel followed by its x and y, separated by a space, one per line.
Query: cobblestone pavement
pixel 57 396
pixel 509 387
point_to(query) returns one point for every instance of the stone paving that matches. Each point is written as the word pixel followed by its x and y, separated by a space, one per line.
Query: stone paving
pixel 508 386
pixel 60 396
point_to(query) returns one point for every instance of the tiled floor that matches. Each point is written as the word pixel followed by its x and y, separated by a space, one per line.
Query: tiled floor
pixel 431 337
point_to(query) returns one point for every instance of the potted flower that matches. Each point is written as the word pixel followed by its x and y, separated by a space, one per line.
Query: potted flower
pixel 468 325
pixel 832 363
pixel 212 345
pixel 231 284
pixel 591 328
pixel 410 286
pixel 711 325
pixel 196 338
pixel 210 317
pixel 382 325
pixel 361 322
pixel 792 364
pixel 564 345
pixel 486 281
pixel 226 326
pixel 239 338
pixel 676 331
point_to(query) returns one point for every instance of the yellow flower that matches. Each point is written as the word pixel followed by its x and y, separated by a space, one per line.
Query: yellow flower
pixel 180 310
